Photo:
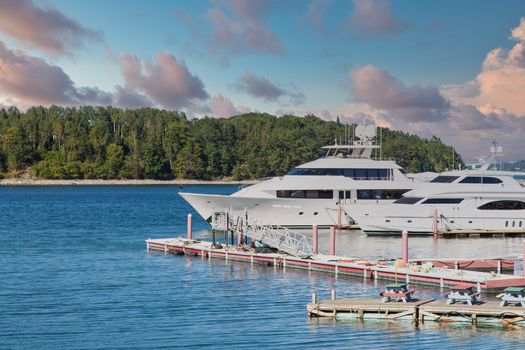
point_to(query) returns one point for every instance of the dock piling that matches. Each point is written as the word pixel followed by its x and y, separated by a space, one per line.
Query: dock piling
pixel 405 246
pixel 332 240
pixel 332 294
pixel 190 227
pixel 315 239
pixel 314 298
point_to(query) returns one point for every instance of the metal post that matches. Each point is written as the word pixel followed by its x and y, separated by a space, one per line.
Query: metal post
pixel 315 239
pixel 435 224
pixel 333 294
pixel 190 227
pixel 523 259
pixel 227 228
pixel 499 266
pixel 314 298
pixel 405 246
pixel 213 236
pixel 332 240
pixel 339 215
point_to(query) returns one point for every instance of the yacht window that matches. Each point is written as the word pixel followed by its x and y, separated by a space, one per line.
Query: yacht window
pixel 357 174
pixel 471 180
pixel 347 195
pixel 349 173
pixel 360 174
pixel 491 180
pixel 380 194
pixel 443 201
pixel 444 179
pixel 408 200
pixel 341 194
pixel 322 194
pixel 503 205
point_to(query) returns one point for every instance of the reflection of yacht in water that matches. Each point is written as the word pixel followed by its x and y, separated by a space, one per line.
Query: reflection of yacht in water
pixel 310 193
pixel 474 199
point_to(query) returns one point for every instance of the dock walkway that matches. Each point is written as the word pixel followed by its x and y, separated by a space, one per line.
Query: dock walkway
pixel 418 311
pixel 340 265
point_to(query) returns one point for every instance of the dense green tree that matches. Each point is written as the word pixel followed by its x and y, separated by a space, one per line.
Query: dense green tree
pixel 106 142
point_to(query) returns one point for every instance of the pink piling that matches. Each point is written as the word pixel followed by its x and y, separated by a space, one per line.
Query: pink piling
pixel 190 227
pixel 405 246
pixel 332 240
pixel 239 238
pixel 315 239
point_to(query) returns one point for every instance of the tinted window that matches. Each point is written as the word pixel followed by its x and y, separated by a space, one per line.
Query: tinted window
pixel 408 200
pixel 323 194
pixel 360 174
pixel 471 180
pixel 380 194
pixel 503 205
pixel 491 180
pixel 349 172
pixel 444 179
pixel 443 201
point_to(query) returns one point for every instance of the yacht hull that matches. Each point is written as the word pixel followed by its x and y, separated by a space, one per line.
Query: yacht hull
pixel 269 211
pixel 420 219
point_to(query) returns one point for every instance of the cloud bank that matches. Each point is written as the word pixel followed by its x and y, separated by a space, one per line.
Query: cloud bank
pixel 46 28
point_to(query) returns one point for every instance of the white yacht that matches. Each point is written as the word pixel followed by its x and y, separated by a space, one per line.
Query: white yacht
pixel 312 192
pixel 476 199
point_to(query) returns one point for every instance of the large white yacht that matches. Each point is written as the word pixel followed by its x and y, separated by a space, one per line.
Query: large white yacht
pixel 475 199
pixel 311 193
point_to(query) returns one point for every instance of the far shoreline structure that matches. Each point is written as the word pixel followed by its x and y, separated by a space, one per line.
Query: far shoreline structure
pixel 114 182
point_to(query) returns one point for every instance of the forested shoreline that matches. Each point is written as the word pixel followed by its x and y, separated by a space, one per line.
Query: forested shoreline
pixel 111 143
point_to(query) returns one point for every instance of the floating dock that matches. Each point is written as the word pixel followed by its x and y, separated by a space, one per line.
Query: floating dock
pixel 418 311
pixel 481 233
pixel 340 265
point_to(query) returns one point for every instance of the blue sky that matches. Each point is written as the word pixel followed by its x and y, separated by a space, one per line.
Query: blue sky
pixel 418 66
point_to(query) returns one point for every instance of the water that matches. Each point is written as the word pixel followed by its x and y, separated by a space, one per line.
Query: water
pixel 75 275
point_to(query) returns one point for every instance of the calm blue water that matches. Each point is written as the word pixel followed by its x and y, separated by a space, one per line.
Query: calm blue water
pixel 74 274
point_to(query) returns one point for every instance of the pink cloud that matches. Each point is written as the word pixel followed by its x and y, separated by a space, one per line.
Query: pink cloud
pixel 167 82
pixel 32 80
pixel 242 30
pixel 261 87
pixel 223 107
pixel 501 82
pixel 126 97
pixel 379 89
pixel 45 28
pixel 375 17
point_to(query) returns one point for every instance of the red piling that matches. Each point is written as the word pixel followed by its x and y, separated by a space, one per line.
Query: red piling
pixel 405 246
pixel 239 238
pixel 315 239
pixel 190 227
pixel 332 240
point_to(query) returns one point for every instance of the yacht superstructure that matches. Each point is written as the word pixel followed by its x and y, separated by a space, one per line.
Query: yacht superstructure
pixel 476 199
pixel 312 192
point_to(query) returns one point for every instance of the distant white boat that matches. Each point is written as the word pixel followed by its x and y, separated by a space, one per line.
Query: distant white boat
pixel 474 199
pixel 312 192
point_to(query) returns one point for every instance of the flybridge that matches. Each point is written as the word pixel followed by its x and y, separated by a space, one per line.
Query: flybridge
pixel 359 146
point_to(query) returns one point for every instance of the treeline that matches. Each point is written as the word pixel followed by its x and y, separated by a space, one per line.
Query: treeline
pixel 111 143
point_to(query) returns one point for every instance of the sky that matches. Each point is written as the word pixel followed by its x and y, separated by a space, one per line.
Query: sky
pixel 451 69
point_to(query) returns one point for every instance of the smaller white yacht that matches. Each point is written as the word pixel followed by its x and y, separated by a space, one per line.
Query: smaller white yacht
pixel 475 199
pixel 312 192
